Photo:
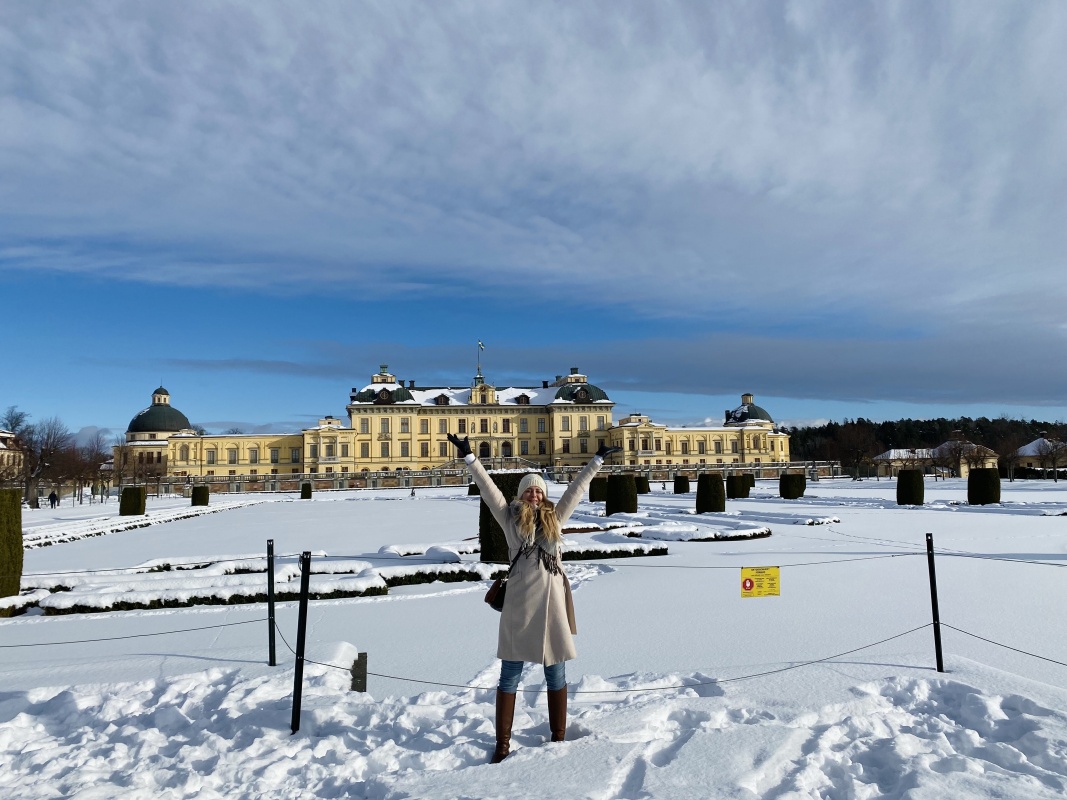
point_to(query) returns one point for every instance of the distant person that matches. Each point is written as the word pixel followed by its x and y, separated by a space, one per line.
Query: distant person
pixel 53 499
pixel 537 623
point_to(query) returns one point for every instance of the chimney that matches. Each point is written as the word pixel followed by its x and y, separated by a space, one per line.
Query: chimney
pixel 411 384
pixel 746 399
pixel 574 370
pixel 544 384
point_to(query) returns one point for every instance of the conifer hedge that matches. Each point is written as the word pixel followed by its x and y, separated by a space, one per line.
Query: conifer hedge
pixel 736 487
pixel 10 543
pixel 681 484
pixel 983 486
pixel 201 495
pixel 133 500
pixel 750 480
pixel 792 485
pixel 621 495
pixel 473 490
pixel 305 491
pixel 494 546
pixel 910 488
pixel 642 485
pixel 711 496
pixel 598 490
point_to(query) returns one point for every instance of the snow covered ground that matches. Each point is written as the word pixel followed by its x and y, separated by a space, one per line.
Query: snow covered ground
pixel 682 689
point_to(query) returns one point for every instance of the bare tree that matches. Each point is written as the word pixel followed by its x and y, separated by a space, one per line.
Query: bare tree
pixel 1052 453
pixel 43 446
pixel 1008 453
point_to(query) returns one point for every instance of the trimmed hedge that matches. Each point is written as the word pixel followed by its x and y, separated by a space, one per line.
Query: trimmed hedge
pixel 681 484
pixel 201 495
pixel 792 485
pixel 494 547
pixel 10 543
pixel 711 496
pixel 642 485
pixel 750 480
pixel 133 501
pixel 983 486
pixel 305 491
pixel 910 488
pixel 598 490
pixel 473 490
pixel 736 487
pixel 622 495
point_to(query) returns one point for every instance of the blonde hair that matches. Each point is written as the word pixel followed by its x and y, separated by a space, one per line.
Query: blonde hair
pixel 544 515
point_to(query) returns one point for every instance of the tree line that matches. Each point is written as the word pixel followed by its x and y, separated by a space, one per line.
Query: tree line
pixel 50 454
pixel 857 441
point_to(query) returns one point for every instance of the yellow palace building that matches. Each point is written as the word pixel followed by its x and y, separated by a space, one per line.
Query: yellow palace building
pixel 395 426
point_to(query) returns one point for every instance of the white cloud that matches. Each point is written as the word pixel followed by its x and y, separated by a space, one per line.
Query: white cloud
pixel 902 163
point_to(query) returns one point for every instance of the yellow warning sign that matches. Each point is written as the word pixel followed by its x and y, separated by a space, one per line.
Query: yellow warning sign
pixel 760 582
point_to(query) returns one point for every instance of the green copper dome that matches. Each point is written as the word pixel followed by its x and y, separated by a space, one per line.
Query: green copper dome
pixel 382 395
pixel 580 393
pixel 748 412
pixel 159 417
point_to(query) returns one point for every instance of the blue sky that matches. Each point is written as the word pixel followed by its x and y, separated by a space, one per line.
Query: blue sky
pixel 846 209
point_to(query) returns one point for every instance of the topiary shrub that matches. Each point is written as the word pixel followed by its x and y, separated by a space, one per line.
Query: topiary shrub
pixel 622 495
pixel 10 543
pixel 473 490
pixel 133 500
pixel 598 490
pixel 711 496
pixel 494 546
pixel 642 485
pixel 681 484
pixel 983 486
pixel 736 487
pixel 305 491
pixel 750 480
pixel 201 495
pixel 910 487
pixel 792 485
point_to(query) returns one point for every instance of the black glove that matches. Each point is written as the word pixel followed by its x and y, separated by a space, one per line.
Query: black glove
pixel 606 451
pixel 463 445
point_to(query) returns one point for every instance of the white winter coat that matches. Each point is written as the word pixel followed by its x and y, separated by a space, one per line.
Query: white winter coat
pixel 537 623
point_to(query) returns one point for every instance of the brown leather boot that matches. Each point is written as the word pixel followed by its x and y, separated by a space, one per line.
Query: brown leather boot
pixel 505 715
pixel 557 713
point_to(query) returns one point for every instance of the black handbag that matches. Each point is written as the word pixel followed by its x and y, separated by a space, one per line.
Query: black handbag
pixel 498 591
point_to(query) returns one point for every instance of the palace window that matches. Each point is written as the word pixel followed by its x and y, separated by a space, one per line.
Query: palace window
pixel 294 455
pixel 364 449
pixel 702 447
pixel 313 450
pixel 733 446
pixel 231 455
pixel 183 452
pixel 565 423
pixel 566 445
pixel 505 426
pixel 462 426
pixel 274 455
pixel 405 425
pixel 344 450
pixel 685 448
pixel 385 450
pixel 600 423
pixel 524 426
pixel 211 456
pixel 718 448
pixel 330 450
pixel 583 445
pixel 383 425
pixel 253 455
pixel 364 425
pixel 524 448
pixel 583 423
pixel 424 426
pixel 523 400
pixel 442 426
pixel 540 424
pixel 483 425
pixel 424 449
pixel 541 447
pixel 443 449
pixel 405 450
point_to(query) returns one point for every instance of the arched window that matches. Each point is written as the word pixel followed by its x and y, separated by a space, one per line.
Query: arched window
pixel 483 450
pixel 183 452
pixel 505 449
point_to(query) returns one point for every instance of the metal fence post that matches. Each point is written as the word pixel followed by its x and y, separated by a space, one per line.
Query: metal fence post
pixel 301 633
pixel 359 673
pixel 933 601
pixel 271 657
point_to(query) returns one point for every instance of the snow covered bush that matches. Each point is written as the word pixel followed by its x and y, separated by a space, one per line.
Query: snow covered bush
pixel 681 484
pixel 983 486
pixel 710 493
pixel 910 487
pixel 621 495
pixel 132 502
pixel 792 485
pixel 10 543
pixel 201 495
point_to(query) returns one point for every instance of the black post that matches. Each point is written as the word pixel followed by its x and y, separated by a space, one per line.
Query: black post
pixel 271 659
pixel 301 632
pixel 359 673
pixel 933 601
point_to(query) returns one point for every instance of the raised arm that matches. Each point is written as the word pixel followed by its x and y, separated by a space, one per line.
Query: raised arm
pixel 572 495
pixel 491 495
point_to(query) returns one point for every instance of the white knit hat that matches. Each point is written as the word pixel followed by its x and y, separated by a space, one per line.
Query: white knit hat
pixel 529 480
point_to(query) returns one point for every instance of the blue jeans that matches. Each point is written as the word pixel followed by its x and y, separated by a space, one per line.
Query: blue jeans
pixel 511 671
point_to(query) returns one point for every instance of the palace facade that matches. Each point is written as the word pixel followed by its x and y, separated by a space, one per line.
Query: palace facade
pixel 396 426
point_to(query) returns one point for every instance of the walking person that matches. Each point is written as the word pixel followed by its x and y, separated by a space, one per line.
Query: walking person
pixel 53 499
pixel 537 623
